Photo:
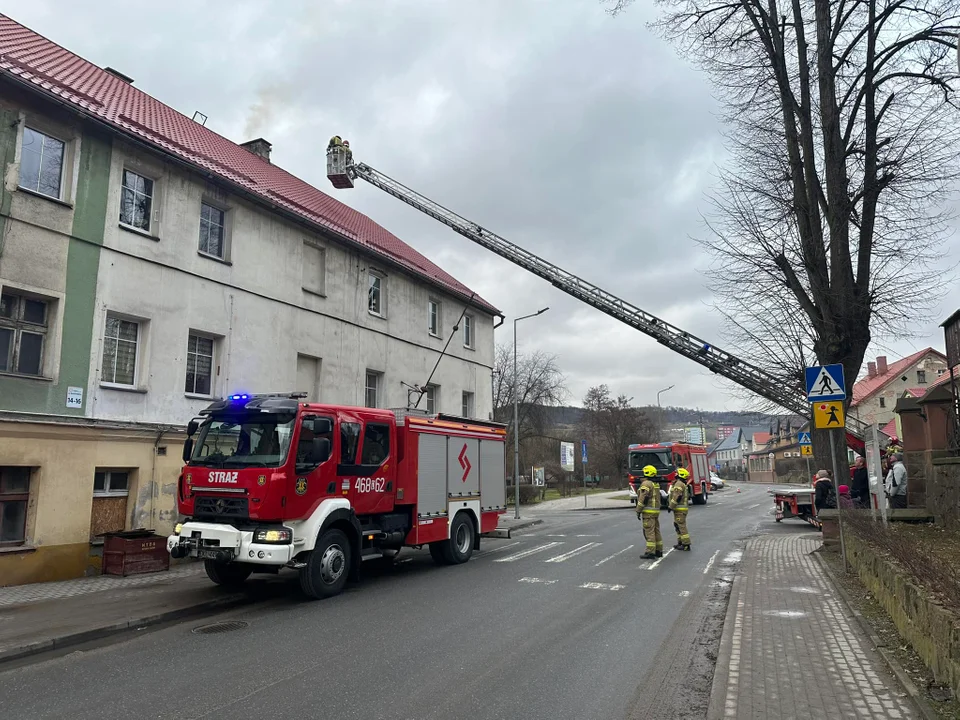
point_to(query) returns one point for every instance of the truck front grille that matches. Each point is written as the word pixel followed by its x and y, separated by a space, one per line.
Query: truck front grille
pixel 227 508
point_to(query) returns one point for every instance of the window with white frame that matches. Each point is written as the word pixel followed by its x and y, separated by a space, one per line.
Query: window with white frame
pixel 433 317
pixel 468 331
pixel 199 365
pixel 433 397
pixel 121 340
pixel 375 295
pixel 212 231
pixel 466 405
pixel 111 483
pixel 371 395
pixel 41 163
pixel 23 332
pixel 136 200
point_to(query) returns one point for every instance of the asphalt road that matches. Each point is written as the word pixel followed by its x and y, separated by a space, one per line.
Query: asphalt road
pixel 562 622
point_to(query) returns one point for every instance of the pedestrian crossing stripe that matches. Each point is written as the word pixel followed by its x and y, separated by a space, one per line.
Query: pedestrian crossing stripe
pixel 825 383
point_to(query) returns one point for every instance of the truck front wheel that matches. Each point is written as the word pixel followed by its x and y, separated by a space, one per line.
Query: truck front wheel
pixel 227 574
pixel 328 566
pixel 459 547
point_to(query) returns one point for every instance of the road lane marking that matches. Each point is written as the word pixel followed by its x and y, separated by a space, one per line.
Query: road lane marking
pixel 753 506
pixel 619 552
pixel 684 593
pixel 710 562
pixel 498 549
pixel 572 553
pixel 659 560
pixel 537 580
pixel 588 536
pixel 601 586
pixel 528 552
pixel 556 535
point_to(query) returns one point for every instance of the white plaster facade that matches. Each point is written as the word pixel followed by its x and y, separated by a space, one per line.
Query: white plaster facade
pixel 274 323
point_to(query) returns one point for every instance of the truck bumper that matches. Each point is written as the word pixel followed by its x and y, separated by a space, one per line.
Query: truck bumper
pixel 225 543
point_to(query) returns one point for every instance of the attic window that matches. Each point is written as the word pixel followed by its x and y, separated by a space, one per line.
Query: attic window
pixel 118 74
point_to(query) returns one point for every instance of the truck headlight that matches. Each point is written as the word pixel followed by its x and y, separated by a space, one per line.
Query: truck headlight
pixel 177 528
pixel 280 536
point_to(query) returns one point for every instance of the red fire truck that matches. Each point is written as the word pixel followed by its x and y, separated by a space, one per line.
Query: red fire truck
pixel 270 482
pixel 666 457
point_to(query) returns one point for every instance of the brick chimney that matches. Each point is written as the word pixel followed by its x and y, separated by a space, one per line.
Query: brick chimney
pixel 258 147
pixel 882 365
pixel 871 369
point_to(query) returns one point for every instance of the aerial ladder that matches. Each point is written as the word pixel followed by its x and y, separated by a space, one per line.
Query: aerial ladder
pixel 790 394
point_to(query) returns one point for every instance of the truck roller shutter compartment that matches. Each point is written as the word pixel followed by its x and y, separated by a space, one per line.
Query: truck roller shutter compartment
pixel 493 492
pixel 432 474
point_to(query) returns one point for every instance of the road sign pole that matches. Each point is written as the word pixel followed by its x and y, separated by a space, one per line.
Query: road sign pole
pixel 836 490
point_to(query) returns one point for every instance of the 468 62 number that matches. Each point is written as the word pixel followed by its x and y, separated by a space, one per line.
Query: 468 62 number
pixel 365 485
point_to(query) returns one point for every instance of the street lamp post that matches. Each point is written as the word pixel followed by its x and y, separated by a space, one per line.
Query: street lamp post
pixel 516 417
pixel 660 413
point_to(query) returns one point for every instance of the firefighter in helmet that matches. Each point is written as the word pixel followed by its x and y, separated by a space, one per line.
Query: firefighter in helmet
pixel 678 506
pixel 648 511
pixel 334 142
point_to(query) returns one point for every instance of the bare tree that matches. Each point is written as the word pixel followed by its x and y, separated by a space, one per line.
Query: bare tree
pixel 610 424
pixel 539 383
pixel 841 121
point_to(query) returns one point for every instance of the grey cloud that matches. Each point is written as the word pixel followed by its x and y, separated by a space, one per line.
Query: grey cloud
pixel 578 136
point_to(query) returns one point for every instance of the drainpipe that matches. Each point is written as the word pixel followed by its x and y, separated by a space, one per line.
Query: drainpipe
pixel 154 489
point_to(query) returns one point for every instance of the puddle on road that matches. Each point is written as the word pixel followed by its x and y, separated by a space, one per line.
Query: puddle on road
pixel 785 613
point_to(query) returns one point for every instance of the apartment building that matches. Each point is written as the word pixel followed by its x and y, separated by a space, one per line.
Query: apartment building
pixel 148 266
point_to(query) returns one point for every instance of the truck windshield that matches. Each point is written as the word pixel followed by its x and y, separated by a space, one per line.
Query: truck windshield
pixel 660 459
pixel 252 441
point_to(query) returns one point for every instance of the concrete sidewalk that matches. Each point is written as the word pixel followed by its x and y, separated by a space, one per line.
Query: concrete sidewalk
pixel 45 616
pixel 790 649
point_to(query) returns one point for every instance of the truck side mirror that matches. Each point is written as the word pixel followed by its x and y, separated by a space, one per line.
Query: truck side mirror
pixel 318 425
pixel 319 450
pixel 192 427
pixel 187 449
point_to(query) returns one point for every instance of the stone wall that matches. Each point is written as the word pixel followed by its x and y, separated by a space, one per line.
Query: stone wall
pixel 932 630
pixel 943 491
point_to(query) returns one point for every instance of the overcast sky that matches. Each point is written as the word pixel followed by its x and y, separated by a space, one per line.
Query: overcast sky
pixel 578 136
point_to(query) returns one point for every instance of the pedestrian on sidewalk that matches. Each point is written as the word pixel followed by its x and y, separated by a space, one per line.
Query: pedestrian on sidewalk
pixel 825 496
pixel 648 512
pixel 860 492
pixel 677 504
pixel 845 501
pixel 896 484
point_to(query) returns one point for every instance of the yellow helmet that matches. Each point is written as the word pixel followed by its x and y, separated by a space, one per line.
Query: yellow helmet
pixel 649 471
pixel 683 474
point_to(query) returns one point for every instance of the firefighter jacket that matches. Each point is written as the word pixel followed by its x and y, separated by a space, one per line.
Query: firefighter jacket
pixel 648 498
pixel 678 495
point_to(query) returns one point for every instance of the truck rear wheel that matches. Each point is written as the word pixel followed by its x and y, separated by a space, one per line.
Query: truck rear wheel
pixel 227 574
pixel 459 547
pixel 328 566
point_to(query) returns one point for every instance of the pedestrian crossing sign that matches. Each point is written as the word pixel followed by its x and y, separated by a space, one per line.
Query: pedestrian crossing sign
pixel 828 415
pixel 825 383
pixel 804 438
pixel 806 450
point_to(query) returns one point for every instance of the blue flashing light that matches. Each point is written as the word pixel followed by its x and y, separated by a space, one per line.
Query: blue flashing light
pixel 243 396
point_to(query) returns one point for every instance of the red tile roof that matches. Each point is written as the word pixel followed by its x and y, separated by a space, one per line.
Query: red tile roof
pixel 869 385
pixel 890 429
pixel 761 438
pixel 942 380
pixel 54 70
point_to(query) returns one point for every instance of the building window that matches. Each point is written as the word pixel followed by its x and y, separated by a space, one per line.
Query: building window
pixel 432 395
pixel 313 269
pixel 466 409
pixel 433 318
pixel 921 377
pixel 372 391
pixel 23 331
pixel 41 163
pixel 199 365
pixel 14 494
pixel 111 483
pixel 136 201
pixel 375 295
pixel 883 402
pixel 468 331
pixel 121 339
pixel 211 231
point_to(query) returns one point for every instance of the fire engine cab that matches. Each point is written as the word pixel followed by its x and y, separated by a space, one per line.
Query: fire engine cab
pixel 272 482
pixel 667 457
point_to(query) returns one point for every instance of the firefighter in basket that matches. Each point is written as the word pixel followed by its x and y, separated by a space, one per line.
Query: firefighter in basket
pixel 648 511
pixel 678 506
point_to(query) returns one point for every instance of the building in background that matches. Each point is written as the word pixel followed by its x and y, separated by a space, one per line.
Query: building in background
pixel 694 435
pixel 149 266
pixel 875 395
pixel 725 431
